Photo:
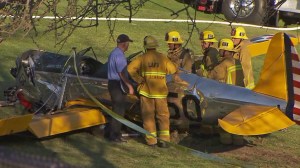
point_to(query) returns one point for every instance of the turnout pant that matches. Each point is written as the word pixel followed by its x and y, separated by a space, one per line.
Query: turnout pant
pixel 155 110
pixel 118 106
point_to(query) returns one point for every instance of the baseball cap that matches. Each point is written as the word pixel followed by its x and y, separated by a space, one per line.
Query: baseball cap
pixel 122 38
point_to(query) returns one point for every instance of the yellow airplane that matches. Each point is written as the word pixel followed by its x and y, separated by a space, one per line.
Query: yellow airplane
pixel 48 87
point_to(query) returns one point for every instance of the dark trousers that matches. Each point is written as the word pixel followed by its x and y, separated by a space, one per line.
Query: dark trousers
pixel 118 106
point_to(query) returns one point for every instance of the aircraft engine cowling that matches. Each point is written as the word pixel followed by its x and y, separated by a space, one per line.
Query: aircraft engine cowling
pixel 40 76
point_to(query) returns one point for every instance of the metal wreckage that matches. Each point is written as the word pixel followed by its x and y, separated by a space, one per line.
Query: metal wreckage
pixel 48 87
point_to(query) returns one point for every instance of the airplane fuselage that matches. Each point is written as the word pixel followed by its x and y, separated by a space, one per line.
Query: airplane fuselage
pixel 222 99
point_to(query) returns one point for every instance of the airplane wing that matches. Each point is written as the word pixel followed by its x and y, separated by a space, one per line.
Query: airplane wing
pixel 66 121
pixel 15 124
pixel 255 120
pixel 261 44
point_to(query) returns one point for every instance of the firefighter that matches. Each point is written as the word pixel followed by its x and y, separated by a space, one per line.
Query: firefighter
pixel 179 55
pixel 210 53
pixel 240 41
pixel 149 70
pixel 229 70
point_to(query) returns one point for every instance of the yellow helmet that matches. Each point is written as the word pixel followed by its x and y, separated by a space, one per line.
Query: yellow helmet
pixel 238 33
pixel 173 37
pixel 150 42
pixel 226 44
pixel 208 36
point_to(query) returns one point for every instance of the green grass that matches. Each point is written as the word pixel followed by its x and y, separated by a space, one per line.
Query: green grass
pixel 280 149
pixel 86 150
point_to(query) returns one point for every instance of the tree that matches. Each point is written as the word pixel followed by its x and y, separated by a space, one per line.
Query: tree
pixel 24 15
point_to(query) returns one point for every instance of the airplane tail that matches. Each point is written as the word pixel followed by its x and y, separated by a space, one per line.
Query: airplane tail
pixel 280 75
pixel 280 78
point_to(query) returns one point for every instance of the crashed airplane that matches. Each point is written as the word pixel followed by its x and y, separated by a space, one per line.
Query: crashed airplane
pixel 48 88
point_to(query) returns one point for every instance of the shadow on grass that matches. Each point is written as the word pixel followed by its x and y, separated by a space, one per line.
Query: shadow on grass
pixel 23 150
pixel 209 143
pixel 75 149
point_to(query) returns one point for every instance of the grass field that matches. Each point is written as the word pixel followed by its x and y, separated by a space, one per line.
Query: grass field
pixel 82 149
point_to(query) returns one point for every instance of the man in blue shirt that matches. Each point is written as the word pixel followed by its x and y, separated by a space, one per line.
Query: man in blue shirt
pixel 117 74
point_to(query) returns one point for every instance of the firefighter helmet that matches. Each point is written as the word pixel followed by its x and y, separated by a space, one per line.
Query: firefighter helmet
pixel 150 42
pixel 208 36
pixel 226 44
pixel 238 33
pixel 173 37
